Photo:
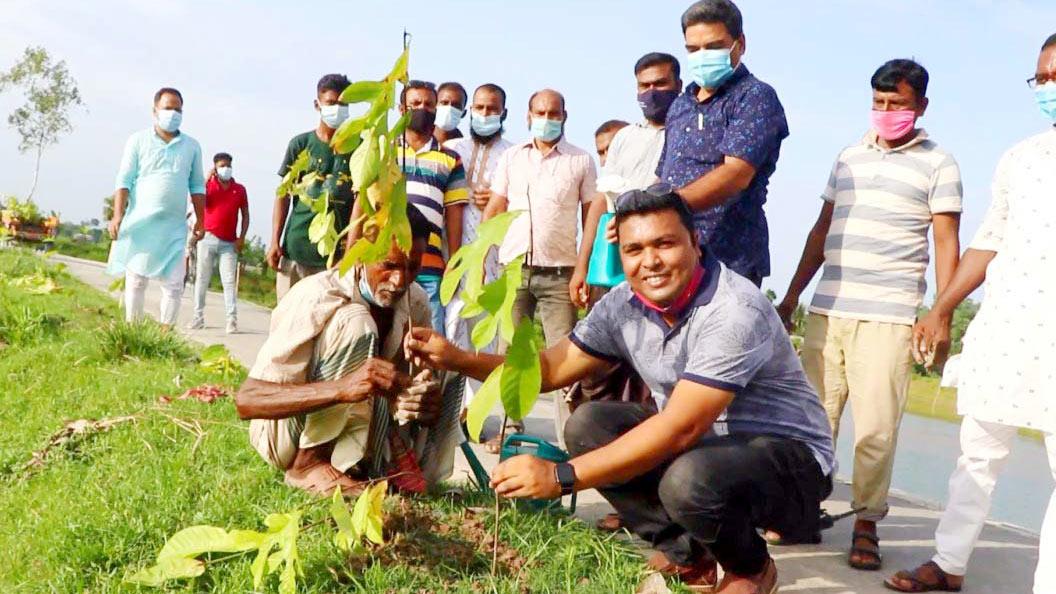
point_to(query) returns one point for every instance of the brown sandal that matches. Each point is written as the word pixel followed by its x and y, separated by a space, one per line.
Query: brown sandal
pixel 917 584
pixel 610 523
pixel 865 565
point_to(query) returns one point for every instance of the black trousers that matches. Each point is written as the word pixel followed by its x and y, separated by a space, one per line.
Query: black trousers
pixel 713 495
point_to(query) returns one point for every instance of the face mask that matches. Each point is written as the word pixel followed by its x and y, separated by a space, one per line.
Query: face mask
pixel 333 115
pixel 485 125
pixel 709 68
pixel 447 117
pixel 545 129
pixel 366 292
pixel 655 103
pixel 169 120
pixel 683 299
pixel 224 173
pixel 422 121
pixel 1046 97
pixel 892 125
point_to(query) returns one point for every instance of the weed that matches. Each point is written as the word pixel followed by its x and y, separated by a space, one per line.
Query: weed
pixel 141 340
pixel 23 325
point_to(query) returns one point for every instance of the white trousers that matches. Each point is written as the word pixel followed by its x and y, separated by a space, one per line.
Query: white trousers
pixel 984 448
pixel 171 292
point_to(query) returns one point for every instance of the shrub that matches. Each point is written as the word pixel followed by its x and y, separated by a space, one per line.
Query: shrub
pixel 142 340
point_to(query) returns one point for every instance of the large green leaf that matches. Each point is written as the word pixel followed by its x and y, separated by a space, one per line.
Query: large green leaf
pixel 364 164
pixel 364 90
pixel 399 69
pixel 293 175
pixel 172 568
pixel 283 530
pixel 468 261
pixel 366 515
pixel 483 401
pixel 347 137
pixel 196 540
pixel 345 538
pixel 521 374
pixel 321 223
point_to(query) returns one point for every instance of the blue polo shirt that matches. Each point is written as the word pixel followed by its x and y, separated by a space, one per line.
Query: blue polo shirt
pixel 731 338
pixel 743 119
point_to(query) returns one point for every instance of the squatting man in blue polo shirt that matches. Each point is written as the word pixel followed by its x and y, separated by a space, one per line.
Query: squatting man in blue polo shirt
pixel 740 439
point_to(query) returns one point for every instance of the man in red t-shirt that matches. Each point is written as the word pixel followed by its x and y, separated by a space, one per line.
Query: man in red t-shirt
pixel 225 199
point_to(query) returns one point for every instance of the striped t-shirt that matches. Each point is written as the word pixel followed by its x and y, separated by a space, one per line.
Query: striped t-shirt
pixel 876 251
pixel 435 180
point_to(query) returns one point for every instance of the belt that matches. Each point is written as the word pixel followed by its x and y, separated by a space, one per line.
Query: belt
pixel 559 270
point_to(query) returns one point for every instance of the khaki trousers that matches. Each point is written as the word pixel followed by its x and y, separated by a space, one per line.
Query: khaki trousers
pixel 290 273
pixel 870 363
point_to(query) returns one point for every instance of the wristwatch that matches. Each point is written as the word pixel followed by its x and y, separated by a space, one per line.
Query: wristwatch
pixel 566 477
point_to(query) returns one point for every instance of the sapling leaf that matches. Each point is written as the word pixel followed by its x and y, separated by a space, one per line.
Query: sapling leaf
pixel 484 400
pixel 399 69
pixel 468 261
pixel 521 374
pixel 293 175
pixel 366 515
pixel 364 164
pixel 345 538
pixel 172 568
pixel 347 137
pixel 364 90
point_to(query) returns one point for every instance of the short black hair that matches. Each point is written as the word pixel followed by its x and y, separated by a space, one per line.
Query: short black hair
pixel 887 77
pixel 714 11
pixel 1051 41
pixel 332 82
pixel 456 86
pixel 656 59
pixel 416 84
pixel 169 91
pixel 657 197
pixel 494 88
pixel 610 126
pixel 419 224
pixel 222 156
pixel 532 98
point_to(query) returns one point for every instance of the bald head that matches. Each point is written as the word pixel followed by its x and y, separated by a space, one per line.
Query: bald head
pixel 548 104
pixel 548 96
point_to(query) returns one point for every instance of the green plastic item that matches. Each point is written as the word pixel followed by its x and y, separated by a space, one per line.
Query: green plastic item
pixel 518 444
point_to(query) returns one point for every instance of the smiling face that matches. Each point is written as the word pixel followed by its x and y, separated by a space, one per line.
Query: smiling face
pixel 659 254
pixel 390 278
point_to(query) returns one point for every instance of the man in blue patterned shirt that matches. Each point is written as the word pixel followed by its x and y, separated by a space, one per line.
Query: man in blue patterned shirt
pixel 724 135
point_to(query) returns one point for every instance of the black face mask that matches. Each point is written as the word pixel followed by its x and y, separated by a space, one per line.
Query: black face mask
pixel 655 103
pixel 422 121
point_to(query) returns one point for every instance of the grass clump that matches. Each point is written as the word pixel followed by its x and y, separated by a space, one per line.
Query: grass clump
pixel 143 339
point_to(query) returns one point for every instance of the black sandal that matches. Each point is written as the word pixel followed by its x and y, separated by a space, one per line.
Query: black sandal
pixel 918 585
pixel 863 565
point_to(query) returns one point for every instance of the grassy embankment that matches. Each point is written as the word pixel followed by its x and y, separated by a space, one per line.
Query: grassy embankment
pixel 102 504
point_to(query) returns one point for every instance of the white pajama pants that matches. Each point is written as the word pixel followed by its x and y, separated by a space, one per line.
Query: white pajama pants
pixel 171 292
pixel 984 448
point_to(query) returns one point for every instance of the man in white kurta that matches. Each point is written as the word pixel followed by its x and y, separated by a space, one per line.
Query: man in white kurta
pixel 1008 367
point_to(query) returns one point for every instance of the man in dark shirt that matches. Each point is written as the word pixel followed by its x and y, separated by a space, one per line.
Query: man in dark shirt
pixel 724 135
pixel 291 253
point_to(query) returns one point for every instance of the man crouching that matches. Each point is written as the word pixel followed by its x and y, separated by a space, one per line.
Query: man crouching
pixel 740 439
pixel 334 347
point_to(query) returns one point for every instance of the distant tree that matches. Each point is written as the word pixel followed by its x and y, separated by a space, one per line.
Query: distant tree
pixel 50 94
pixel 771 295
pixel 108 207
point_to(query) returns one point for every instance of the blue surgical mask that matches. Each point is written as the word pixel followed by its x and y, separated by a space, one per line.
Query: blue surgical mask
pixel 224 173
pixel 333 115
pixel 546 129
pixel 485 125
pixel 169 120
pixel 1046 97
pixel 366 291
pixel 447 117
pixel 709 68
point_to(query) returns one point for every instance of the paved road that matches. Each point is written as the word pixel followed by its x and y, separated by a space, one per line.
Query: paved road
pixel 1003 562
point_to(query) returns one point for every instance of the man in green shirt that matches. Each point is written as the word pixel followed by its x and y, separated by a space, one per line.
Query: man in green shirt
pixel 292 255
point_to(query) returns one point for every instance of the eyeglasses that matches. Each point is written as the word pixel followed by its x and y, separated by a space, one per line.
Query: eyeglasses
pixel 1036 81
pixel 624 201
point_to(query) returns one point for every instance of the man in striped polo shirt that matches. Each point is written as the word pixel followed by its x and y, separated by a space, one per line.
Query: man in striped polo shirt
pixel 871 235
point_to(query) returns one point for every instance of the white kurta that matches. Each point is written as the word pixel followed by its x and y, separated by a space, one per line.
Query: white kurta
pixel 1008 369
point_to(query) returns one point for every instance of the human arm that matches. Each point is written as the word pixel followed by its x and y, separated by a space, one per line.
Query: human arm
pixel 577 287
pixel 496 206
pixel 244 215
pixel 120 203
pixel 809 263
pixel 196 187
pixel 689 414
pixel 259 399
pixel 127 174
pixel 500 188
pixel 719 185
pixel 453 226
pixel 278 221
pixel 931 335
pixel 945 229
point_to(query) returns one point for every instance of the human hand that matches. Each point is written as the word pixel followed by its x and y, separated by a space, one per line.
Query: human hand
pixel 526 476
pixel 274 255
pixel 931 340
pixel 420 401
pixel 115 226
pixel 426 348
pixel 239 244
pixel 786 309
pixel 578 290
pixel 373 376
pixel 610 231
pixel 481 196
pixel 199 229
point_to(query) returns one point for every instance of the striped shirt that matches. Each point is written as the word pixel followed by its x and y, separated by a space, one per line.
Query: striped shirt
pixel 435 180
pixel 876 250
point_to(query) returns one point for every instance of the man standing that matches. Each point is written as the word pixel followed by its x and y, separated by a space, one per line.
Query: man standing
pixel 160 166
pixel 633 154
pixel 291 253
pixel 225 200
pixel 723 138
pixel 740 439
pixel 451 102
pixel 479 153
pixel 603 137
pixel 554 182
pixel 872 237
pixel 1008 367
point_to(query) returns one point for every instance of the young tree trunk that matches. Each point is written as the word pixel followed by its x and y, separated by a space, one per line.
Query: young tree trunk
pixel 36 172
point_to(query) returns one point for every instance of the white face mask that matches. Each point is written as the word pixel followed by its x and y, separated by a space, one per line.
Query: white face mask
pixel 447 117
pixel 169 120
pixel 333 115
pixel 224 173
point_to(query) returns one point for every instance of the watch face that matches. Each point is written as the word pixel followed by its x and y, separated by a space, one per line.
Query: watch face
pixel 566 477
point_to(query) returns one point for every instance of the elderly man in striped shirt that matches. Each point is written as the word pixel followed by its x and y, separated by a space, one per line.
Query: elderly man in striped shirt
pixel 883 194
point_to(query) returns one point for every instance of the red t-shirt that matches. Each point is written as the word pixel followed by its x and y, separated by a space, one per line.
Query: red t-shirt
pixel 222 206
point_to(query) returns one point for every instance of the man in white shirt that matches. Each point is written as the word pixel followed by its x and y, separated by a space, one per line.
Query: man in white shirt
pixel 633 154
pixel 480 154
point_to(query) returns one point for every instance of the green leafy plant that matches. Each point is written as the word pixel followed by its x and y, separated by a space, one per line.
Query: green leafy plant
pixel 218 359
pixel 141 340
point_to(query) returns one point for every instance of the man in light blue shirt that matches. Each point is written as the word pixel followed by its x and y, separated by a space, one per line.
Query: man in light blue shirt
pixel 159 168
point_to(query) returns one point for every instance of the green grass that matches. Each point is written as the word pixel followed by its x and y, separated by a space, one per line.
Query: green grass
pixel 103 504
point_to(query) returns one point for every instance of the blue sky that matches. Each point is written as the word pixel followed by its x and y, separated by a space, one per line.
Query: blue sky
pixel 248 69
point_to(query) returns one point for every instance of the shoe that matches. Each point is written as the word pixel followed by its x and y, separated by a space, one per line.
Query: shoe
pixel 232 327
pixel 764 582
pixel 701 576
pixel 196 324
